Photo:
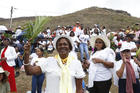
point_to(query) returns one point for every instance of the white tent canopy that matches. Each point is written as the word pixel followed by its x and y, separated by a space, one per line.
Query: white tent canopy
pixel 3 28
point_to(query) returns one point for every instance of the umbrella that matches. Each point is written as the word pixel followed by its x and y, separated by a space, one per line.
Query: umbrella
pixel 3 28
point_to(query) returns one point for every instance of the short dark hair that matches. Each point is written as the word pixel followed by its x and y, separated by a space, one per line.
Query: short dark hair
pixel 130 36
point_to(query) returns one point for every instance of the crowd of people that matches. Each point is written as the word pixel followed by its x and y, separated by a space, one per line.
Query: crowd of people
pixel 103 56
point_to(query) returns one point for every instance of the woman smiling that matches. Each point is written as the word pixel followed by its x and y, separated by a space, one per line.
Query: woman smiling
pixel 64 72
pixel 101 60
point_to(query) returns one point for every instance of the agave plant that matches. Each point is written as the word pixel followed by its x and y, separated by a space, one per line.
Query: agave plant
pixel 32 29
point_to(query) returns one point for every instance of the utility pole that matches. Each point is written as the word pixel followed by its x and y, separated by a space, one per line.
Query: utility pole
pixel 11 13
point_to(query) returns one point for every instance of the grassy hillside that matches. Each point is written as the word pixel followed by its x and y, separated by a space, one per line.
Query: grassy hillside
pixel 112 19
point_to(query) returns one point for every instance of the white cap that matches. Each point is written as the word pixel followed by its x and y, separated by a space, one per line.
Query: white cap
pixel 1 70
pixel 125 46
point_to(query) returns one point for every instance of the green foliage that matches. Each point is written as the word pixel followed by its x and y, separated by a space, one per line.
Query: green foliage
pixel 113 46
pixel 7 35
pixel 34 28
pixel 135 27
pixel 111 36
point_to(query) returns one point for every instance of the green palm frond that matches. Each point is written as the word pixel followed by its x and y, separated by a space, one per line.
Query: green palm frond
pixel 34 28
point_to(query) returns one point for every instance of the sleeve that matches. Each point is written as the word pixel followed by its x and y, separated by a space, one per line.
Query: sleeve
pixel 77 39
pixel 13 55
pixel 115 77
pixel 43 64
pixel 79 70
pixel 134 45
pixel 32 61
pixel 111 56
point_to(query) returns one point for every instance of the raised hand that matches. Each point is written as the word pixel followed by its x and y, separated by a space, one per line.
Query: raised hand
pixel 85 64
pixel 27 47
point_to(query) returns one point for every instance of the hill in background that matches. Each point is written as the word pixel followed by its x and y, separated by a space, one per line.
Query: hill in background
pixel 112 19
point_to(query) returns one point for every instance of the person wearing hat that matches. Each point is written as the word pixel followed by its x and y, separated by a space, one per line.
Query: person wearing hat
pixel 99 66
pixel 4 85
pixel 127 72
pixel 8 56
pixel 18 31
pixel 64 72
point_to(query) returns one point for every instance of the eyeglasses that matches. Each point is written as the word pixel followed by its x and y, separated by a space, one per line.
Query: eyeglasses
pixel 99 42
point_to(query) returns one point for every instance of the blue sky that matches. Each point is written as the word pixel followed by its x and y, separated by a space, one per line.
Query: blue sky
pixel 60 7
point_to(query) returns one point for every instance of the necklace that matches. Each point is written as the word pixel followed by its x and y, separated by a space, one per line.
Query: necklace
pixel 64 60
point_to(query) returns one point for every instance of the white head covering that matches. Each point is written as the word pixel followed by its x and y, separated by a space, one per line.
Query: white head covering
pixel 102 37
pixel 65 36
pixel 1 70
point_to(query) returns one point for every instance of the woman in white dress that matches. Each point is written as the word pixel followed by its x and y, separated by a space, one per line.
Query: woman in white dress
pixel 64 72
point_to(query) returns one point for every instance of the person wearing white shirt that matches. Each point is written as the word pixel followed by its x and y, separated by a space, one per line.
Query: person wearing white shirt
pixel 64 73
pixel 37 80
pixel 99 66
pixel 76 41
pixel 48 31
pixel 132 45
pixel 103 30
pixel 8 56
pixel 50 46
pixel 58 30
pixel 18 31
pixel 84 42
pixel 126 72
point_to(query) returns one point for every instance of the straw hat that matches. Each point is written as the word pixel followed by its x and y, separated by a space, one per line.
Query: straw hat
pixel 63 36
pixel 1 70
pixel 102 37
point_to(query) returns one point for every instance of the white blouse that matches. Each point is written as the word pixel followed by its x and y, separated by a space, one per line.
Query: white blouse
pixel 133 64
pixel 53 73
pixel 117 66
pixel 98 72
pixel 37 60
